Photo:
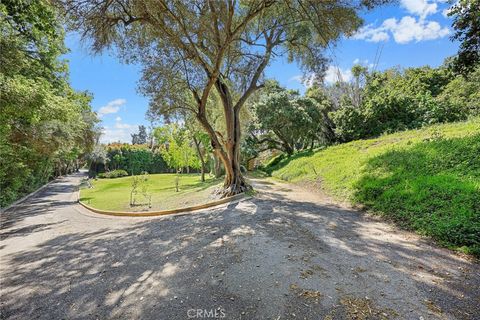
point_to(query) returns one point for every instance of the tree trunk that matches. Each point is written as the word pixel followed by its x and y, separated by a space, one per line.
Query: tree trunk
pixel 288 149
pixel 329 126
pixel 217 167
pixel 234 182
pixel 200 156
pixel 202 171
pixel 287 146
pixel 228 151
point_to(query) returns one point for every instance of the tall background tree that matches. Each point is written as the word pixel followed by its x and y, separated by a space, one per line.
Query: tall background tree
pixel 200 140
pixel 45 126
pixel 193 47
pixel 466 22
pixel 140 137
pixel 176 147
pixel 288 121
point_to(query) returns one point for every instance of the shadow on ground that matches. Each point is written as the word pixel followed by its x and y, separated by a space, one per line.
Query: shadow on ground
pixel 266 258
pixel 45 200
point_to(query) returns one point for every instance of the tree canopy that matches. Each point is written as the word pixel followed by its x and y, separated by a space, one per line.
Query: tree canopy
pixel 44 124
pixel 288 121
pixel 140 137
pixel 189 48
pixel 176 147
pixel 466 15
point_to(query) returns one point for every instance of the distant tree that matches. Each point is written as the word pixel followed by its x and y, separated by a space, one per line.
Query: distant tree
pixel 134 138
pixel 461 96
pixel 343 93
pixel 466 22
pixel 198 46
pixel 201 141
pixel 140 137
pixel 287 120
pixel 97 160
pixel 325 130
pixel 360 74
pixel 142 134
pixel 394 100
pixel 46 127
pixel 135 158
pixel 176 147
pixel 251 148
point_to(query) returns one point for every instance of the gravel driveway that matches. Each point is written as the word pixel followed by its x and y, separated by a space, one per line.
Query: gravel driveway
pixel 285 254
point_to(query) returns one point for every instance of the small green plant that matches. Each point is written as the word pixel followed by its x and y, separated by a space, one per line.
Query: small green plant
pixel 177 179
pixel 113 174
pixel 140 187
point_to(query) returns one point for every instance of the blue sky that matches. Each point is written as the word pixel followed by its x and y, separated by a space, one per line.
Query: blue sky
pixel 411 33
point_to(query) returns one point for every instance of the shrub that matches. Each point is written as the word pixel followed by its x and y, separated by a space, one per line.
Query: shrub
pixel 135 159
pixel 113 174
pixel 349 123
pixel 398 100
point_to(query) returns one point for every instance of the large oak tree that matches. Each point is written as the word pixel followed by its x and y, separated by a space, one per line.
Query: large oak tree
pixel 191 48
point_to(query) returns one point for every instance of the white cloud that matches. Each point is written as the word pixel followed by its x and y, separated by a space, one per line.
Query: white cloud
pixel 403 31
pixel 408 29
pixel 297 78
pixel 120 125
pixel 380 36
pixel 334 74
pixel 364 63
pixel 307 81
pixel 120 132
pixel 117 135
pixel 446 11
pixel 371 34
pixel 111 107
pixel 421 8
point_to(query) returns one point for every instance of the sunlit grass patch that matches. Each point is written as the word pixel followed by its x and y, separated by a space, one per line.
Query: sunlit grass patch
pixel 114 194
pixel 427 180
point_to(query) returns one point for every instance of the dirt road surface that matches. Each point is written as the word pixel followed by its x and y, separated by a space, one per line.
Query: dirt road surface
pixel 284 254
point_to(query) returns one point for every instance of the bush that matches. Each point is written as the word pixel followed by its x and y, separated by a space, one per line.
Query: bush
pixel 398 100
pixel 349 123
pixel 135 159
pixel 113 174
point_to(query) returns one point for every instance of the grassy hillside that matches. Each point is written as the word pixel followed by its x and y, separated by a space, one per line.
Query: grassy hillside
pixel 427 180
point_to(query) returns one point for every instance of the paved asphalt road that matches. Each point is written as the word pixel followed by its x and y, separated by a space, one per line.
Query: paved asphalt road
pixel 285 254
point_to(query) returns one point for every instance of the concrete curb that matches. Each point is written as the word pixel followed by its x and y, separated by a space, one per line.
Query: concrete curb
pixel 163 212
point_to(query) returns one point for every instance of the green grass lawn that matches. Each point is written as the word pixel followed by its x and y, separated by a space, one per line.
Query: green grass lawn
pixel 114 194
pixel 427 180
